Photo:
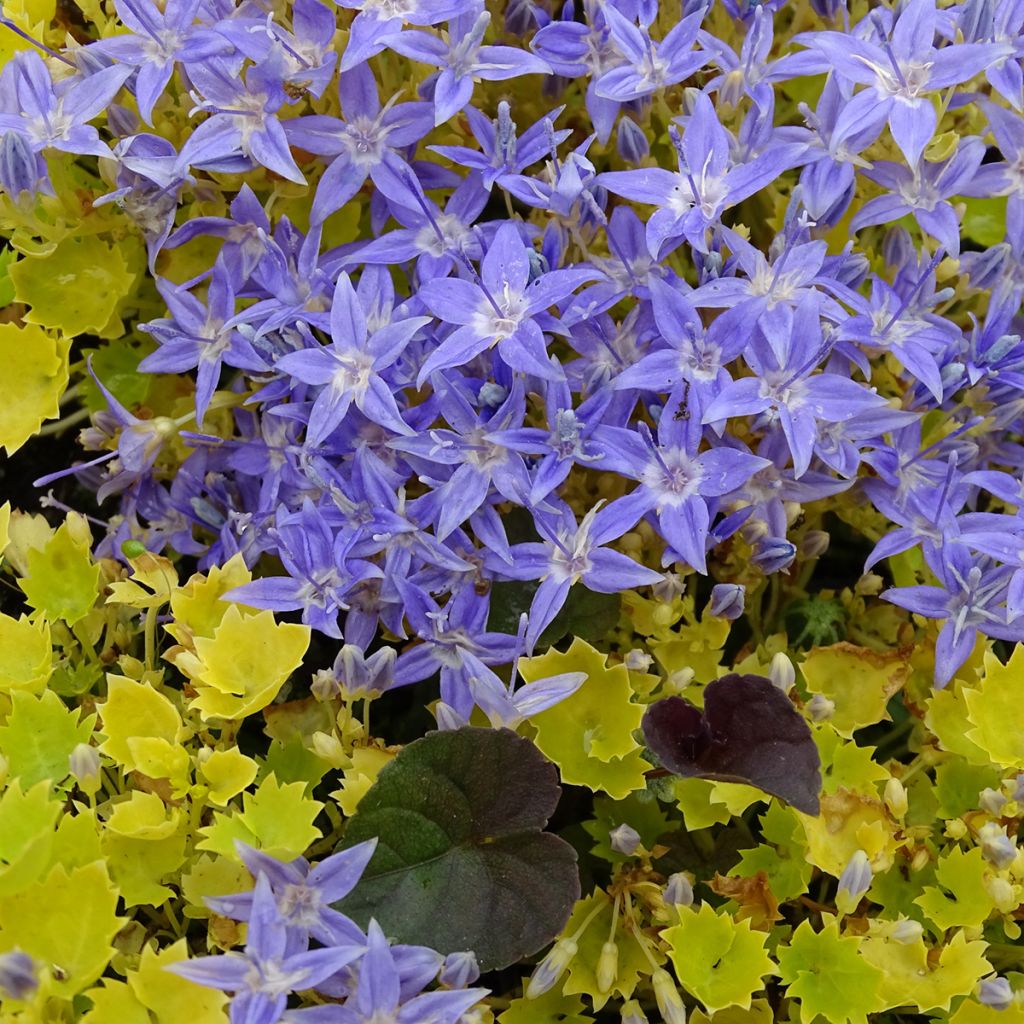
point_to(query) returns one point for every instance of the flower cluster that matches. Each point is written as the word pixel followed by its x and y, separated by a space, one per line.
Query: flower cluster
pixel 292 903
pixel 514 326
pixel 420 336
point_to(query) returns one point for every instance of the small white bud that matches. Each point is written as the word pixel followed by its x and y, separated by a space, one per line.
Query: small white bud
pixel 607 967
pixel 854 882
pixel 782 673
pixel 325 686
pixel 815 543
pixel 896 798
pixel 679 890
pixel 820 708
pixel 992 800
pixel 459 970
pixel 907 932
pixel 666 994
pixel 996 993
pixel 551 968
pixel 84 765
pixel 632 1013
pixel 625 840
pixel 996 846
pixel 638 661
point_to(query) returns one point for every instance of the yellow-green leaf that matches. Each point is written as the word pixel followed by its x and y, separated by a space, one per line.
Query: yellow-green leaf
pixel 826 973
pixel 228 772
pixel 26 657
pixel 719 960
pixel 246 662
pixel 35 376
pixel 996 711
pixel 589 735
pixel 133 710
pixel 74 934
pixel 76 288
pixel 62 578
pixel 960 898
pixel 857 680
pixel 39 735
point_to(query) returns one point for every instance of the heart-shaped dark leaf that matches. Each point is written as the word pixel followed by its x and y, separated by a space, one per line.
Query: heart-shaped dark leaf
pixel 461 861
pixel 748 732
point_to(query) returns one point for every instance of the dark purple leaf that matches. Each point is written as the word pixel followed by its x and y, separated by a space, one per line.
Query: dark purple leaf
pixel 748 732
pixel 461 861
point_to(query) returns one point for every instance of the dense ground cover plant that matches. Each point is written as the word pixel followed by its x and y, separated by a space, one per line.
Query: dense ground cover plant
pixel 514 511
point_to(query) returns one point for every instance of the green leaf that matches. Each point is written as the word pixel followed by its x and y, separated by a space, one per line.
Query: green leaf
pixel 39 735
pixel 589 735
pixel 960 898
pixel 996 713
pixel 76 288
pixel 719 960
pixel 958 786
pixel 551 1008
pixel 631 964
pixel 117 364
pixel 7 257
pixel 62 578
pixel 461 862
pixel 826 973
pixel 74 934
pixel 984 220
pixel 277 819
pixel 35 376
pixel 27 820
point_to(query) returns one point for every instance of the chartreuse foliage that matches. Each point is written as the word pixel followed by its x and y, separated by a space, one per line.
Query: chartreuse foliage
pixel 122 805
pixel 750 803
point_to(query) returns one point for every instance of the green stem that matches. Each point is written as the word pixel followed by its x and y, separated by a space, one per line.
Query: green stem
pixel 151 638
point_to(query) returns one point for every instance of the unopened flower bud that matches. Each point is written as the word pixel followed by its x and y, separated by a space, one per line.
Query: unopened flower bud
pixel 774 554
pixel 996 993
pixel 447 717
pixel 679 890
pixel 1002 894
pixel 325 686
pixel 632 1013
pixel 625 840
pixel 920 859
pixel 680 679
pixel 18 979
pixel 996 846
pixel 955 828
pixel 727 600
pixel 907 931
pixel 666 994
pixel 551 968
pixel 820 708
pixel 328 748
pixel 827 9
pixel 992 800
pixel 84 765
pixel 492 395
pixel 19 166
pixel 869 585
pixel 854 882
pixel 460 970
pixel 781 672
pixel 815 543
pixel 631 141
pixel 607 967
pixel 638 661
pixel 896 798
